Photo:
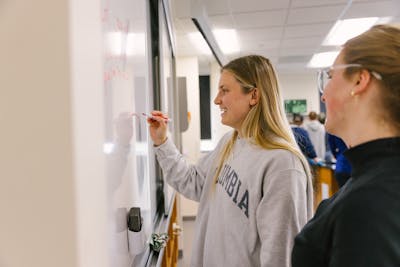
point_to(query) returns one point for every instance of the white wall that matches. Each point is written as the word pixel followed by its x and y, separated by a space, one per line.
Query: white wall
pixel 51 212
pixel 301 86
pixel 188 67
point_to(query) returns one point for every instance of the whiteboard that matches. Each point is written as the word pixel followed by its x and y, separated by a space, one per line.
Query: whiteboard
pixel 130 162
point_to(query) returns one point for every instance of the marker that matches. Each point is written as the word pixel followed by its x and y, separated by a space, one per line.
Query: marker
pixel 152 117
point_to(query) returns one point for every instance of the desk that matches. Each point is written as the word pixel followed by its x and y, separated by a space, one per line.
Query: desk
pixel 325 184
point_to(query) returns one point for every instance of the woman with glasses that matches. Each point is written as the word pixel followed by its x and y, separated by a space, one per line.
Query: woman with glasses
pixel 360 225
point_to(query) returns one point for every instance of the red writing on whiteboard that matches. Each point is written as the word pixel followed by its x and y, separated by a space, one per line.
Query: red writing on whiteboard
pixel 115 74
pixel 104 15
pixel 122 26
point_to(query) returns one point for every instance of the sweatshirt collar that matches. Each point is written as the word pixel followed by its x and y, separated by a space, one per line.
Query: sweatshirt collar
pixel 362 155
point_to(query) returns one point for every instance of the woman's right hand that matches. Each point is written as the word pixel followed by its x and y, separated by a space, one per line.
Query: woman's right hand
pixel 158 127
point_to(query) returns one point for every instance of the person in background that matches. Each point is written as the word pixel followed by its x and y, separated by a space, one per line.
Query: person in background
pixel 255 188
pixel 321 118
pixel 316 131
pixel 328 153
pixel 302 139
pixel 360 224
pixel 343 168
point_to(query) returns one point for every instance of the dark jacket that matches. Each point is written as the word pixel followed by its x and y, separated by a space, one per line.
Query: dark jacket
pixel 304 142
pixel 359 225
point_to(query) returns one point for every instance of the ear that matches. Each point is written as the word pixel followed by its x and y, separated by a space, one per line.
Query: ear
pixel 255 96
pixel 362 80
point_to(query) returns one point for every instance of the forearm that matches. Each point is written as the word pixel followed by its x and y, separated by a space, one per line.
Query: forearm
pixel 187 179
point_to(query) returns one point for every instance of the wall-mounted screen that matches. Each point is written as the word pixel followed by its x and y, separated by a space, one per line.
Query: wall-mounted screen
pixel 295 106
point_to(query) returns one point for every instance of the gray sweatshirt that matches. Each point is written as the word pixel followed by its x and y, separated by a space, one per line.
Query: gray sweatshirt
pixel 316 131
pixel 250 216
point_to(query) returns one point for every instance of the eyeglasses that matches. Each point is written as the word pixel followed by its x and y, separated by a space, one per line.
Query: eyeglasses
pixel 324 75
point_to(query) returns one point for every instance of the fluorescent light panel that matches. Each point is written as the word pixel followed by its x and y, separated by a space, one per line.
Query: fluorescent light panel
pixel 321 60
pixel 227 40
pixel 344 30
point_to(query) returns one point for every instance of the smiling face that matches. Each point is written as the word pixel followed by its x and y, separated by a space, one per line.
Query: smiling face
pixel 338 99
pixel 232 101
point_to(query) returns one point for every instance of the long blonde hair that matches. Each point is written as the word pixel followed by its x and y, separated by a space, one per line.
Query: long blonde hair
pixel 265 124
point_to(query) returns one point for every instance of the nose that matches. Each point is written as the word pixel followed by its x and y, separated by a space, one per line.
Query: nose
pixel 217 100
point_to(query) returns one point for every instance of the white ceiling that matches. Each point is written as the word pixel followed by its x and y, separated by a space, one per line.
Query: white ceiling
pixel 288 32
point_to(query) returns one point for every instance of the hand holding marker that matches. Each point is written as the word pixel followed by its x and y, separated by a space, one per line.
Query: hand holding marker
pixel 151 117
pixel 158 126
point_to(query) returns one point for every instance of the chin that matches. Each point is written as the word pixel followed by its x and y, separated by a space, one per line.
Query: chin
pixel 223 119
pixel 226 123
pixel 330 128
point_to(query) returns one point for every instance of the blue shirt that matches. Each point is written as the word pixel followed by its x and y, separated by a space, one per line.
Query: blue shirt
pixel 337 147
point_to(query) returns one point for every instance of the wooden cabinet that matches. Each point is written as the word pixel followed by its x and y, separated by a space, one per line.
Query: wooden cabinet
pixel 325 184
pixel 170 257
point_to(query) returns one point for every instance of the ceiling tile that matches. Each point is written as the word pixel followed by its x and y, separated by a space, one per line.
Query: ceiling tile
pixel 373 9
pixel 375 1
pixel 294 59
pixel 214 7
pixel 239 6
pixel 273 33
pixel 288 32
pixel 302 42
pixel 316 3
pixel 259 45
pixel 296 51
pixel 314 14
pixel 221 22
pixel 318 29
pixel 260 19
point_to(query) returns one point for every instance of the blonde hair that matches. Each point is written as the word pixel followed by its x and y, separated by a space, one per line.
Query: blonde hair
pixel 266 123
pixel 378 50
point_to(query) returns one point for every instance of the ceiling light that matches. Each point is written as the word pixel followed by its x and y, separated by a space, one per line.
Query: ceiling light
pixel 321 60
pixel 198 41
pixel 344 30
pixel 227 40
